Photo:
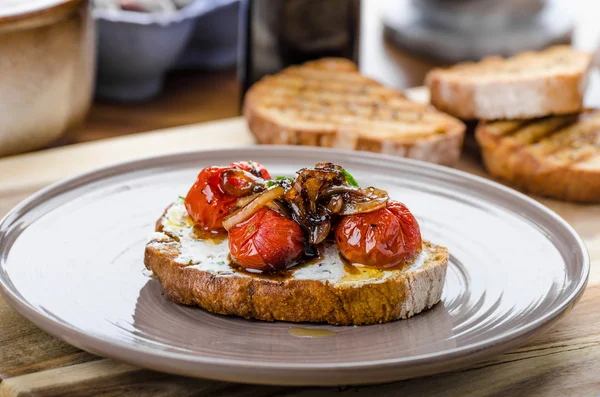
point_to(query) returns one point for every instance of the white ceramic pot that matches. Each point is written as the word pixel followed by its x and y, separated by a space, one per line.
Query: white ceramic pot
pixel 47 62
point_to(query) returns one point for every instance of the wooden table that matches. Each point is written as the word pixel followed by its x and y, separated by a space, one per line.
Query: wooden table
pixel 562 361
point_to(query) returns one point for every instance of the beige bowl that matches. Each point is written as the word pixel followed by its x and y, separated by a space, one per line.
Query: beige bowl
pixel 47 58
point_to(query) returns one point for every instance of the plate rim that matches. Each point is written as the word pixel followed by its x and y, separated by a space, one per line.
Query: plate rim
pixel 74 336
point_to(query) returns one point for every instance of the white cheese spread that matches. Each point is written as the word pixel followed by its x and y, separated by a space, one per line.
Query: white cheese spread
pixel 212 255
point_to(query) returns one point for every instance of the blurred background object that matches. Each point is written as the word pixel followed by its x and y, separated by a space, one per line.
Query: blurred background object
pixel 47 63
pixel 140 40
pixel 460 30
pixel 142 5
pixel 174 75
pixel 213 43
pixel 278 33
pixel 197 93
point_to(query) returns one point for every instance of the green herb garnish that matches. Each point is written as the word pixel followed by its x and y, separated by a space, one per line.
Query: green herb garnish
pixel 181 198
pixel 277 179
pixel 349 178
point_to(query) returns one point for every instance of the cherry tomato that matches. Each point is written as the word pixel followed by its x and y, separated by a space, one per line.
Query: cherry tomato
pixel 384 238
pixel 253 167
pixel 206 203
pixel 267 241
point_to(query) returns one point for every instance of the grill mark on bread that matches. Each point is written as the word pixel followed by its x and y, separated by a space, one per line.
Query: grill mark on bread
pixel 538 130
pixel 380 128
pixel 578 151
pixel 553 156
pixel 292 84
pixel 504 128
pixel 328 103
pixel 282 98
pixel 321 111
pixel 537 135
pixel 571 144
pixel 344 103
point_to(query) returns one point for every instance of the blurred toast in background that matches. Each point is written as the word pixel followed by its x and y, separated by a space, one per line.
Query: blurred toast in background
pixel 557 156
pixel 329 103
pixel 528 85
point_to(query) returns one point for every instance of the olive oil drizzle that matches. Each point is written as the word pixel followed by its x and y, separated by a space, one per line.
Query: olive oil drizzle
pixel 279 275
pixel 300 332
pixel 214 236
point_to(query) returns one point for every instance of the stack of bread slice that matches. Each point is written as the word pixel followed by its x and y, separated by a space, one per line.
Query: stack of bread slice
pixel 329 103
pixel 533 129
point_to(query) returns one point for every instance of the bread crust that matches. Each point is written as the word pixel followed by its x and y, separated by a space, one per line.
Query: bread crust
pixel 397 297
pixel 465 92
pixel 524 165
pixel 438 143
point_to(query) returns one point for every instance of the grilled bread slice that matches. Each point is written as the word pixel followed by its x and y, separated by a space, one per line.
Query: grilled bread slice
pixel 528 85
pixel 329 103
pixel 197 272
pixel 557 156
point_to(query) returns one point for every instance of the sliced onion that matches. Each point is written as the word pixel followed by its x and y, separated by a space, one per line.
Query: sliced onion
pixel 338 189
pixel 361 208
pixel 244 201
pixel 372 199
pixel 278 207
pixel 247 211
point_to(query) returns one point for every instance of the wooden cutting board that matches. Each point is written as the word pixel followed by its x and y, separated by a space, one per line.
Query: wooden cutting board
pixel 563 361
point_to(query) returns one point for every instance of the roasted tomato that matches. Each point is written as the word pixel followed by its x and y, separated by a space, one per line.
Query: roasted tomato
pixel 266 241
pixel 206 203
pixel 383 238
pixel 252 167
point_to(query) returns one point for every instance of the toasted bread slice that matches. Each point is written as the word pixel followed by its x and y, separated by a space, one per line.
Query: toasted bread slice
pixel 197 272
pixel 528 85
pixel 557 156
pixel 329 103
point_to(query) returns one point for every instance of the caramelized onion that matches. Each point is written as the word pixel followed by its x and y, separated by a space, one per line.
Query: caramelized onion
pixel 244 201
pixel 278 207
pixel 311 199
pixel 274 205
pixel 361 208
pixel 370 199
pixel 327 193
pixel 247 211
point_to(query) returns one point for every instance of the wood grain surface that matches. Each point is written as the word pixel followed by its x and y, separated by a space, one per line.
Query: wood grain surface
pixel 188 97
pixel 563 361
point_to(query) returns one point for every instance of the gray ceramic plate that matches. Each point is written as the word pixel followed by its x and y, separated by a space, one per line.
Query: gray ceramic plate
pixel 71 262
